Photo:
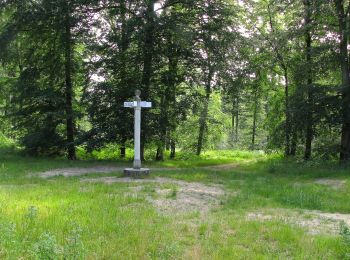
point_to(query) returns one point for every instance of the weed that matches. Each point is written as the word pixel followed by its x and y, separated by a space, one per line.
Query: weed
pixel 74 246
pixel 46 247
pixel 345 234
pixel 172 194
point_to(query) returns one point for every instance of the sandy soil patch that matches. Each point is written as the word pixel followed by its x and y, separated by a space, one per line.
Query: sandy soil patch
pixel 333 183
pixel 171 196
pixel 68 172
pixel 78 171
pixel 315 222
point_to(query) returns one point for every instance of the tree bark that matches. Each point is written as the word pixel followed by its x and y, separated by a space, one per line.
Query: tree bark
pixel 237 117
pixel 287 113
pixel 344 63
pixel 255 112
pixel 148 49
pixel 122 150
pixel 309 122
pixel 70 124
pixel 293 147
pixel 233 119
pixel 284 67
pixel 172 149
pixel 203 119
pixel 160 154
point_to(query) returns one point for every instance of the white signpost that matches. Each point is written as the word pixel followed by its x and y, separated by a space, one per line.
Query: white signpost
pixel 137 104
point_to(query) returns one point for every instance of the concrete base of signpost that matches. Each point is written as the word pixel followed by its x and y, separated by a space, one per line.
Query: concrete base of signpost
pixel 136 173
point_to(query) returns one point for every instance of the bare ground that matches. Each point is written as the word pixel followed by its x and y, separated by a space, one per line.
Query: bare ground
pixel 79 171
pixel 174 196
pixel 315 222
pixel 333 183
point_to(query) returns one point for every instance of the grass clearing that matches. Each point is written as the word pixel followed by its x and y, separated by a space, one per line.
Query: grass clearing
pixel 65 217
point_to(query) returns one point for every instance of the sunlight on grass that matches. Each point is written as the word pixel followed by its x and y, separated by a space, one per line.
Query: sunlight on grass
pixel 63 217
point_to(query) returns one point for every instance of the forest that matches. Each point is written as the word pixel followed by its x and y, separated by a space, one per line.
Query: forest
pixel 245 151
pixel 222 74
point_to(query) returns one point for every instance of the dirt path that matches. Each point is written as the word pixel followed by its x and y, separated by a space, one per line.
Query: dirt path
pixel 68 172
pixel 171 196
pixel 333 183
pixel 79 171
pixel 314 221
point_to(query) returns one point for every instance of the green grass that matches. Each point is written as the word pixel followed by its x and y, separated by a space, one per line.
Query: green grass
pixel 63 218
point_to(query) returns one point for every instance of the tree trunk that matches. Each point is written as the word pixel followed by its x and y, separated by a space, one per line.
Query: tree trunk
pixel 287 113
pixel 237 117
pixel 233 117
pixel 148 42
pixel 283 66
pixel 204 114
pixel 293 147
pixel 203 120
pixel 163 123
pixel 170 94
pixel 255 113
pixel 344 62
pixel 122 150
pixel 70 124
pixel 172 149
pixel 309 122
pixel 142 151
pixel 160 153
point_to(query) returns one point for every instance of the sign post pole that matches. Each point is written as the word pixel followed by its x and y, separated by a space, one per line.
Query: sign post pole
pixel 137 104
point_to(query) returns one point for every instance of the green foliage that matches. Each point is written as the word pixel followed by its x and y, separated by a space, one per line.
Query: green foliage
pixel 258 75
pixel 216 134
pixel 345 234
pixel 46 247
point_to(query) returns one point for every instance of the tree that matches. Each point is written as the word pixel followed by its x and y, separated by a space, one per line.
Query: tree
pixel 343 17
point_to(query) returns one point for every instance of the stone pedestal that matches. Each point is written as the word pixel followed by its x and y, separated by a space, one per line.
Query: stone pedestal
pixel 136 173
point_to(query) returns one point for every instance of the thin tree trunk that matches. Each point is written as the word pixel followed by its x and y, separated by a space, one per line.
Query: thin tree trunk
pixel 147 67
pixel 167 141
pixel 203 120
pixel 160 154
pixel 122 150
pixel 70 124
pixel 233 119
pixel 283 65
pixel 172 149
pixel 163 122
pixel 237 117
pixel 287 113
pixel 309 122
pixel 142 151
pixel 255 112
pixel 344 62
pixel 293 147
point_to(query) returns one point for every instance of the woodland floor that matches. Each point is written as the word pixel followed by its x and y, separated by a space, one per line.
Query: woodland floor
pixel 245 207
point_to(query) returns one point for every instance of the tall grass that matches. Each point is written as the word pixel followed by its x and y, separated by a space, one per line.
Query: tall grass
pixel 63 218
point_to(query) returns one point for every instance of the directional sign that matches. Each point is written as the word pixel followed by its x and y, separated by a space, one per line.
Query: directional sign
pixel 146 104
pixel 130 104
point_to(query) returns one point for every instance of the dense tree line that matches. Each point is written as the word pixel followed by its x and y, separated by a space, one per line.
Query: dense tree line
pixel 269 75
